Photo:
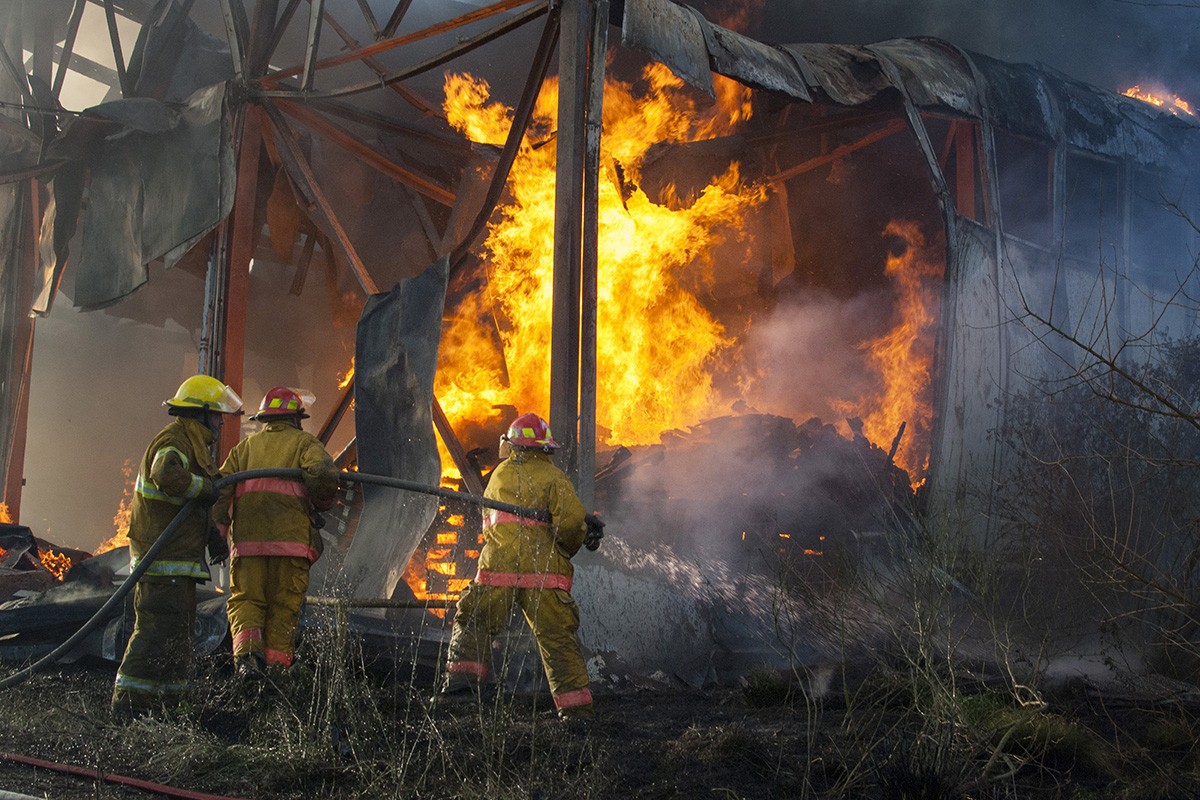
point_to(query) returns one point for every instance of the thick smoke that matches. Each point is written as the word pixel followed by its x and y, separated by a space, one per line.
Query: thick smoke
pixel 808 354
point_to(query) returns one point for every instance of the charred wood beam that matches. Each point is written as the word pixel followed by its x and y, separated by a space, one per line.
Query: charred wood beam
pixel 316 10
pixel 359 53
pixel 22 336
pixel 432 236
pixel 64 59
pixel 234 36
pixel 304 265
pixel 289 11
pixel 122 77
pixel 262 32
pixel 389 29
pixel 240 235
pixel 458 147
pixel 464 46
pixel 88 68
pixel 301 173
pixel 426 186
pixel 348 454
pixel 472 480
pixel 35 171
pixel 568 234
pixel 17 75
pixel 369 16
pixel 516 132
pixel 339 411
pixel 414 99
pixel 891 129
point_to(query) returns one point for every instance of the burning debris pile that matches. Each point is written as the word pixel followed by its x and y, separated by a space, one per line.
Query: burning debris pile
pixel 755 489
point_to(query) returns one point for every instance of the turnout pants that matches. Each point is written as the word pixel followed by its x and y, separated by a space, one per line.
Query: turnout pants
pixel 154 670
pixel 483 611
pixel 266 594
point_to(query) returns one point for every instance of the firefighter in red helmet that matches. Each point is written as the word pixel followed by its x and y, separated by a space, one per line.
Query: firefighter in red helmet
pixel 273 539
pixel 526 562
pixel 176 468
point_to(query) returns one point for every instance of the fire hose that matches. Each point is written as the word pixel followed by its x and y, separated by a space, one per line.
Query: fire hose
pixel 595 533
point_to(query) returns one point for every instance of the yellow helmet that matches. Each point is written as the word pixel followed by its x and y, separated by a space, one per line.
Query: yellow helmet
pixel 205 392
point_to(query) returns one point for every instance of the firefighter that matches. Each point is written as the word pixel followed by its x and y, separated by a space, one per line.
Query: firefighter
pixel 526 562
pixel 272 530
pixel 178 466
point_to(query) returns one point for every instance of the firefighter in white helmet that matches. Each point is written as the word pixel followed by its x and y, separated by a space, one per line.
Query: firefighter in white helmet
pixel 176 467
pixel 526 562
pixel 273 538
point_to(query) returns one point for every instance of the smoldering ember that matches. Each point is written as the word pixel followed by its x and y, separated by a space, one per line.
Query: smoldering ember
pixel 876 365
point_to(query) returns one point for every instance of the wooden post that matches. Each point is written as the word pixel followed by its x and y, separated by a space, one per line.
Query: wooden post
pixel 241 237
pixel 585 482
pixel 568 219
pixel 14 466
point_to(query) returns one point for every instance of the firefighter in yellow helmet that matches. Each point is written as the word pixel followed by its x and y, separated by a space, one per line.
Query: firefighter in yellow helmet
pixel 527 562
pixel 177 467
pixel 272 534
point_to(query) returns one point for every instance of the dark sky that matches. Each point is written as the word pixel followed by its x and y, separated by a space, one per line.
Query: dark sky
pixel 1109 43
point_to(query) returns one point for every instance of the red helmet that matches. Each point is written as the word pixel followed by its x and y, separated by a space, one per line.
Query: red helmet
pixel 281 402
pixel 530 430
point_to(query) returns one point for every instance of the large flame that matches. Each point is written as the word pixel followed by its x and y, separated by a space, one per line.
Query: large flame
pixel 121 518
pixel 656 341
pixel 903 356
pixel 1167 101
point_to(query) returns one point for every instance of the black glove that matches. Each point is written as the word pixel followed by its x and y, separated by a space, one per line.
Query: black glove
pixel 218 548
pixel 595 532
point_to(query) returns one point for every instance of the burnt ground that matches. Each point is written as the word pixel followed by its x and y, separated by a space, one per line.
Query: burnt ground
pixel 347 734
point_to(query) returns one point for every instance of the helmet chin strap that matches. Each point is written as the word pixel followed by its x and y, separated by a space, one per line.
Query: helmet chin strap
pixel 214 420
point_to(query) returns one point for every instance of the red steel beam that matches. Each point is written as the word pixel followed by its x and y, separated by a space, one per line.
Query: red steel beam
pixel 318 123
pixel 397 41
pixel 414 99
pixel 891 129
pixel 301 173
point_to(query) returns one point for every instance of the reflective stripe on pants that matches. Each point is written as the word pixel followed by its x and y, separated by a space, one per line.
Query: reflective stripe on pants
pixel 483 611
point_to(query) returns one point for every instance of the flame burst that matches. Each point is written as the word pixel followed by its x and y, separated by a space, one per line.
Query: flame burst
pixel 121 518
pixel 56 563
pixel 1167 101
pixel 656 341
pixel 5 515
pixel 903 357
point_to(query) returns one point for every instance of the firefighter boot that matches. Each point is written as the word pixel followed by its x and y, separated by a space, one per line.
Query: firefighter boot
pixel 457 690
pixel 249 667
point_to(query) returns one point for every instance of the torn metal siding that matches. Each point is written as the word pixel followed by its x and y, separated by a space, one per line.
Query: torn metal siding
pixel 933 74
pixel 1029 100
pixel 753 63
pixel 847 74
pixel 158 179
pixel 673 34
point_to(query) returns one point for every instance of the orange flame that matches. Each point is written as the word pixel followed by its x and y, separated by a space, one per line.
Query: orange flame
pixel 344 379
pixel 1167 101
pixel 56 563
pixel 121 518
pixel 656 341
pixel 903 357
pixel 5 515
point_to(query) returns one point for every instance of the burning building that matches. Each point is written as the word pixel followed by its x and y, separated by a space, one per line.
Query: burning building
pixel 816 274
